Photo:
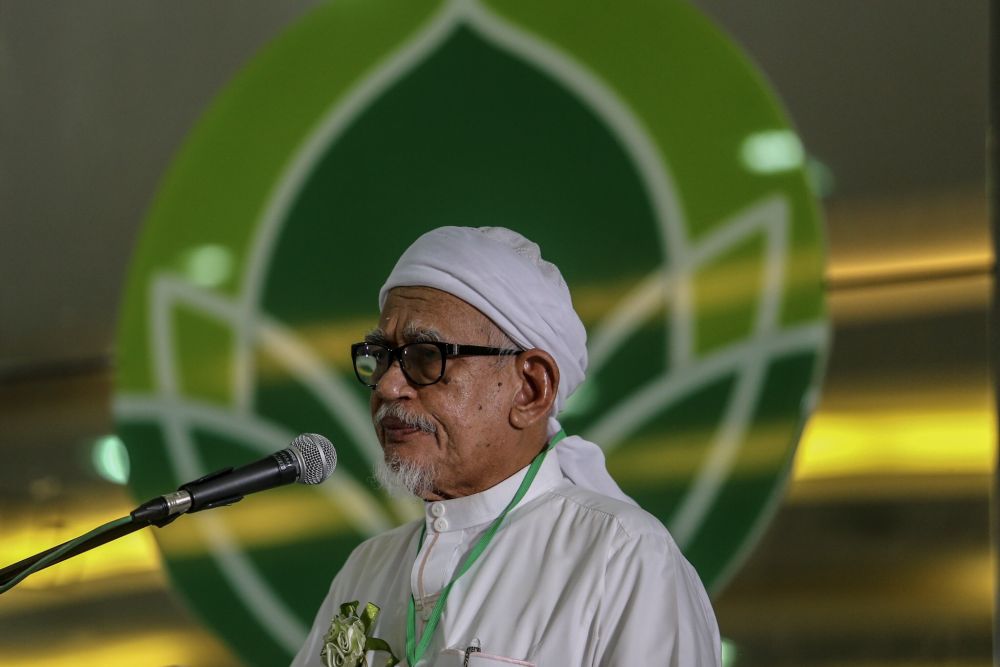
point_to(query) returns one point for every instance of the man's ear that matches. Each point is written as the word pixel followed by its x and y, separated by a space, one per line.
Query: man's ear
pixel 538 376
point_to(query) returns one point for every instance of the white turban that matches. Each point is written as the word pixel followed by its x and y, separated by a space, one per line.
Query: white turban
pixel 503 275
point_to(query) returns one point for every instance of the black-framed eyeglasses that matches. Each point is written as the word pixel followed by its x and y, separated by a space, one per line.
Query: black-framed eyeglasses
pixel 421 363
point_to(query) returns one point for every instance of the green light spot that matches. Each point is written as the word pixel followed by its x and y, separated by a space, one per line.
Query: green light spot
pixel 772 151
pixel 728 653
pixel 208 265
pixel 110 459
pixel 820 178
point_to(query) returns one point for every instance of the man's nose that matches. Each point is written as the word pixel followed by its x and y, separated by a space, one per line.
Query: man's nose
pixel 393 383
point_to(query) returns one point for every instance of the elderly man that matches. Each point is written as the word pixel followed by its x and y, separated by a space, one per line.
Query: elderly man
pixel 528 552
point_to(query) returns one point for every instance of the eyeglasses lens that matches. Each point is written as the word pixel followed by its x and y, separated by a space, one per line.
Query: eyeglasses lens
pixel 422 363
pixel 370 362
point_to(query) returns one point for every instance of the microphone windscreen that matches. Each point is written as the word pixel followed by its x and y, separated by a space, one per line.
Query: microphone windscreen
pixel 316 457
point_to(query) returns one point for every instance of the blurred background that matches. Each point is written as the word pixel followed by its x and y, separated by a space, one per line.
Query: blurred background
pixel 880 552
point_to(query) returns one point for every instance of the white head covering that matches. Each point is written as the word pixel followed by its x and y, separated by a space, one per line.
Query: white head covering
pixel 503 275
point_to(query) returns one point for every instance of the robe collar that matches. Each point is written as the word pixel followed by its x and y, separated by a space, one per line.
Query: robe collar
pixel 483 507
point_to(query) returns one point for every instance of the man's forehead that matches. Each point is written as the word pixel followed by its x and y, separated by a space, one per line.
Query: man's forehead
pixel 421 312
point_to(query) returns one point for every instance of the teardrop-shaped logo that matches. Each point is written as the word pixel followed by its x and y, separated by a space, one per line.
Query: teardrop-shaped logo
pixel 638 148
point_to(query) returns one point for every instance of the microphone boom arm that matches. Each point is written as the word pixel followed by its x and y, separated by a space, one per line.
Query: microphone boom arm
pixel 310 459
pixel 11 575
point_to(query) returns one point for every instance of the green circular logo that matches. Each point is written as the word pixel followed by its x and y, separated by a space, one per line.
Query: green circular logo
pixel 638 148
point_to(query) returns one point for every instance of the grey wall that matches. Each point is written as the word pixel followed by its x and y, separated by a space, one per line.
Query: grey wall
pixel 95 98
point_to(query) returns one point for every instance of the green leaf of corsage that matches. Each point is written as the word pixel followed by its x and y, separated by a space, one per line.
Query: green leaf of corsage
pixel 349 638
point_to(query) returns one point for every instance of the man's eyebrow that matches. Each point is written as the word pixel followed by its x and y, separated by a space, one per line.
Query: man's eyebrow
pixel 377 336
pixel 415 334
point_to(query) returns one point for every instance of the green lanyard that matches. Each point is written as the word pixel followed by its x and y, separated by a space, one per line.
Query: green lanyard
pixel 414 650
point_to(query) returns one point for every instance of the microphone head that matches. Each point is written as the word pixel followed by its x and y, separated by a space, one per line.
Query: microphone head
pixel 316 457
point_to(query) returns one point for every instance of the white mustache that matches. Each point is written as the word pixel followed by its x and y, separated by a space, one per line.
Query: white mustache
pixel 397 411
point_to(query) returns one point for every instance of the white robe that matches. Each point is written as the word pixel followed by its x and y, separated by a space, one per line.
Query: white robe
pixel 572 578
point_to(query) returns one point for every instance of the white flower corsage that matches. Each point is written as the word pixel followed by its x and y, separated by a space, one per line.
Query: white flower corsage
pixel 349 638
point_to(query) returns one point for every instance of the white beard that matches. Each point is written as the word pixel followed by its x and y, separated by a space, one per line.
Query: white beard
pixel 401 478
pixel 397 476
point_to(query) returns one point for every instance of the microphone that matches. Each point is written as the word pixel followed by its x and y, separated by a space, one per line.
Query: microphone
pixel 309 459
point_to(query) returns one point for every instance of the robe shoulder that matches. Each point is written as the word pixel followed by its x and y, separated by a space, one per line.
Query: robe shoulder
pixel 617 515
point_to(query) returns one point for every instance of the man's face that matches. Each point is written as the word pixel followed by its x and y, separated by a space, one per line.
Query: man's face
pixel 468 408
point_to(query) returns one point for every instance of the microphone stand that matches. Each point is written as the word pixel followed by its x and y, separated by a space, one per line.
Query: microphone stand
pixel 156 512
pixel 12 571
pixel 137 520
pixel 215 489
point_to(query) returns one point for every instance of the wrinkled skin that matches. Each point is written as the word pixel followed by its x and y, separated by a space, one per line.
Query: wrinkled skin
pixel 489 416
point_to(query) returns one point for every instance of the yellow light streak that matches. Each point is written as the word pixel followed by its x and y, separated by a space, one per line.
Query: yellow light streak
pixel 922 299
pixel 287 515
pixel 938 224
pixel 897 442
pixel 30 597
pixel 677 458
pixel 959 261
pixel 106 648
